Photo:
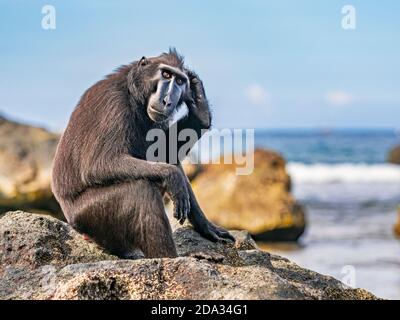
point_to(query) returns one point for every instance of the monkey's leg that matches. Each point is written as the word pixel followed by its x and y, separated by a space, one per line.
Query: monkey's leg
pixel 153 234
pixel 125 219
pixel 124 167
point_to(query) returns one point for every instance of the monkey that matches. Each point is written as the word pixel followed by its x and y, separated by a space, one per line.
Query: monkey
pixel 105 185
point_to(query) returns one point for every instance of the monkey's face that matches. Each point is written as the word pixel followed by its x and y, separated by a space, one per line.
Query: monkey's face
pixel 170 89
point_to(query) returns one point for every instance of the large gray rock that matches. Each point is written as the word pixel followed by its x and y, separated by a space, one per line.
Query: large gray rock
pixel 43 258
pixel 26 155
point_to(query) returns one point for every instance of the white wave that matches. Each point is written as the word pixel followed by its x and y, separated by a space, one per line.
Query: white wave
pixel 344 173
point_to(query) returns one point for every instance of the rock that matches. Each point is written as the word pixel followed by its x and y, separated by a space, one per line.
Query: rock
pixel 31 240
pixel 26 155
pixel 72 268
pixel 397 225
pixel 394 155
pixel 260 203
pixel 192 169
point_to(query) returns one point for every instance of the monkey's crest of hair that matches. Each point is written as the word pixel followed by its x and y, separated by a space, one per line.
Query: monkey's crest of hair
pixel 174 58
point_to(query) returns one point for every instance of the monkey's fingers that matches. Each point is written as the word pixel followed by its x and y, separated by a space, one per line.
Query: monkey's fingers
pixel 182 212
pixel 191 74
pixel 215 234
pixel 225 235
pixel 210 235
pixel 185 211
pixel 181 209
pixel 183 217
pixel 182 220
pixel 177 212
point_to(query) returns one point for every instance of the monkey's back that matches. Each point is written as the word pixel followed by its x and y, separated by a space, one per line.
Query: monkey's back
pixel 95 131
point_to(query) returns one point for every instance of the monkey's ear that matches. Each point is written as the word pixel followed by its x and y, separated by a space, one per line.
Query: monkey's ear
pixel 143 62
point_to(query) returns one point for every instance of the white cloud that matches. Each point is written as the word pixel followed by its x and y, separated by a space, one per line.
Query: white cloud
pixel 257 95
pixel 339 98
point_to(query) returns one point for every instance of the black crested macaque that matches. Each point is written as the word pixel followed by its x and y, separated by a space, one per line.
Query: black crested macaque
pixel 101 178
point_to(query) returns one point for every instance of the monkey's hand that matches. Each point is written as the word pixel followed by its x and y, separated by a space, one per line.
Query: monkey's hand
pixel 175 184
pixel 196 85
pixel 198 104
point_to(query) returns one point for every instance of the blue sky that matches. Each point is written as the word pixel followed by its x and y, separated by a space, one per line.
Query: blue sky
pixel 264 63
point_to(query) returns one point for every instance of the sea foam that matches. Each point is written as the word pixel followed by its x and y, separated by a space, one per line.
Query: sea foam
pixel 344 173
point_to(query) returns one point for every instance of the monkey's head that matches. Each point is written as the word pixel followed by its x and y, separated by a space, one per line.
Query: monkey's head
pixel 162 84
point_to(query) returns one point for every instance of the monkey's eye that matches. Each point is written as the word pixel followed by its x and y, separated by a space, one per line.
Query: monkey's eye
pixel 179 81
pixel 166 74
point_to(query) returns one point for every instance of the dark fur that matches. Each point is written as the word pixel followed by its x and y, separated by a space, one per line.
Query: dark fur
pixel 101 179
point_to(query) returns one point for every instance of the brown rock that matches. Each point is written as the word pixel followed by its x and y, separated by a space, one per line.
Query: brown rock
pixel 260 203
pixel 397 225
pixel 26 155
pixel 73 268
pixel 192 170
pixel 394 155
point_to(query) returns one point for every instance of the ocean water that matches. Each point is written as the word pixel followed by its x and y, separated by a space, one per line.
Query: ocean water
pixel 350 194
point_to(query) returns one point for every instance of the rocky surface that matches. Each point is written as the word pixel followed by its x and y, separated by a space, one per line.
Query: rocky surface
pixel 260 202
pixel 26 155
pixel 394 155
pixel 43 258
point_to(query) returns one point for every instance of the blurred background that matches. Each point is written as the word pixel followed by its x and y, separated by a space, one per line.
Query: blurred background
pixel 321 91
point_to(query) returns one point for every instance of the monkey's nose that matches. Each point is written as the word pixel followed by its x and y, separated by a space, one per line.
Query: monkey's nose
pixel 167 102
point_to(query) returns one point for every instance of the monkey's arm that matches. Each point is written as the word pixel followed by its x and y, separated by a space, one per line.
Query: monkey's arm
pixel 199 119
pixel 199 116
pixel 128 168
pixel 199 221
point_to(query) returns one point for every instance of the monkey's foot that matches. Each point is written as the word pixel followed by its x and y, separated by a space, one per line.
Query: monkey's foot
pixel 214 233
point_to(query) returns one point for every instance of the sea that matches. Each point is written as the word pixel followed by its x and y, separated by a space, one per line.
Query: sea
pixel 351 195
